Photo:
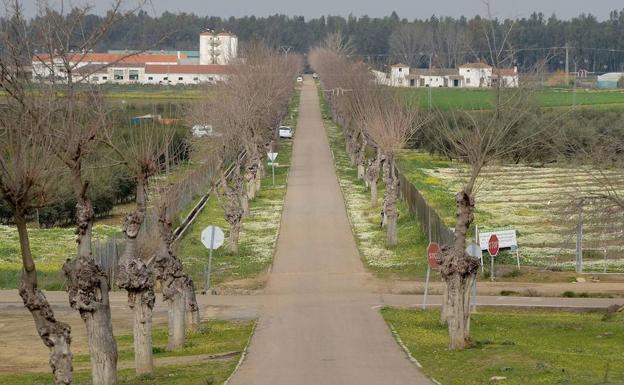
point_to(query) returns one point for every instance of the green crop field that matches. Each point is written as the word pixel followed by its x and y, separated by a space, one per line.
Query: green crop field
pixel 447 98
pixel 536 201
pixel 519 347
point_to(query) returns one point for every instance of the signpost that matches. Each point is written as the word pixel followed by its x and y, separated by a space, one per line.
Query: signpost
pixel 474 251
pixel 493 248
pixel 432 263
pixel 507 239
pixel 212 237
pixel 272 156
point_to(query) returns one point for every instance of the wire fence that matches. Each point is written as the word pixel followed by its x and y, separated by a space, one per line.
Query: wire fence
pixel 428 218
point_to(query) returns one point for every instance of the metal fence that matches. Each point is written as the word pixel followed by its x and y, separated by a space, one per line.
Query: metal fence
pixel 428 218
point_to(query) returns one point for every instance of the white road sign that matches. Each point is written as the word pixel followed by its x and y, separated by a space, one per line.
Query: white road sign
pixel 506 239
pixel 272 156
pixel 212 237
pixel 474 250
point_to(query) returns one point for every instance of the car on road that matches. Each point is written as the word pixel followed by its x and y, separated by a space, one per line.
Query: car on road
pixel 285 132
pixel 203 130
pixel 315 76
pixel 299 79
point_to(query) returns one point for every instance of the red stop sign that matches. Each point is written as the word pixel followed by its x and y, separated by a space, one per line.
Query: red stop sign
pixel 432 252
pixel 493 245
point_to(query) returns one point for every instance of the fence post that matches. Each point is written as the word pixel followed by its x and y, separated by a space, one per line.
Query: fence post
pixel 579 240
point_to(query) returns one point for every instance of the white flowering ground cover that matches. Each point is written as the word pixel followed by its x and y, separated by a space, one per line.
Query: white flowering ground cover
pixel 259 231
pixel 407 259
pixel 50 248
pixel 539 202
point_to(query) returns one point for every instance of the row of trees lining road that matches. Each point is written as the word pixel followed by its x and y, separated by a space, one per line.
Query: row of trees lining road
pixel 49 134
pixel 595 39
pixel 245 117
pixel 376 121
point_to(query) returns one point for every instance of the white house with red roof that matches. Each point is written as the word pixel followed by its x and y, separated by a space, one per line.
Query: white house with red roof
pixel 217 52
pixel 469 75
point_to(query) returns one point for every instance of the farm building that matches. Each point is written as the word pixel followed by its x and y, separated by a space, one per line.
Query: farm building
pixel 209 65
pixel 611 80
pixel 470 75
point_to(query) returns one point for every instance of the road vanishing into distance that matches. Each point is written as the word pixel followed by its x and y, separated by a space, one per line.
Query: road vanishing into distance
pixel 320 322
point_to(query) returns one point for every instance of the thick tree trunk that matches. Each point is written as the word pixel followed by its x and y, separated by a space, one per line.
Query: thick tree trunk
pixel 361 158
pixel 391 212
pixel 374 194
pixel 88 290
pixel 232 245
pixel 142 303
pixel 177 326
pixel 445 305
pixel 136 277
pixel 192 308
pixel 55 335
pixel 459 271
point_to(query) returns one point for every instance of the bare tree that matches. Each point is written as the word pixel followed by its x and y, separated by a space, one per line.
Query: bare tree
pixel 390 124
pixel 141 150
pixel 27 177
pixel 408 43
pixel 177 287
pixel 81 115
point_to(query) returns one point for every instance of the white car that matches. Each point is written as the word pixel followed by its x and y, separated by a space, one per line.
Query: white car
pixel 202 131
pixel 315 76
pixel 299 79
pixel 285 132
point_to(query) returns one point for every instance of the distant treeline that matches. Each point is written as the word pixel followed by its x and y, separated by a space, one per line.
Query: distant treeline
pixel 597 45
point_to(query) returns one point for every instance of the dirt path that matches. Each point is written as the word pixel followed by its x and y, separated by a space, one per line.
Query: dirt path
pixel 319 323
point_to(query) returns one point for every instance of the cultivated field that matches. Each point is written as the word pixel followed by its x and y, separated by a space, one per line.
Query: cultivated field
pixel 539 202
pixel 445 98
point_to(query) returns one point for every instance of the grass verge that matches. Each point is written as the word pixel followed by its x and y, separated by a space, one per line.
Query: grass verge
pixel 525 347
pixel 259 231
pixel 406 260
pixel 191 366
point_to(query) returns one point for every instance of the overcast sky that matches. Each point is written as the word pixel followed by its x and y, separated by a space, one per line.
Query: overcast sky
pixel 405 8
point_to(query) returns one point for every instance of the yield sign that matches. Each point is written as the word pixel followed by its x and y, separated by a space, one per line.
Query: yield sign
pixel 493 245
pixel 432 252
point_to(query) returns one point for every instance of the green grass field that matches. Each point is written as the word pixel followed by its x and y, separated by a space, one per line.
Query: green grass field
pixel 189 366
pixel 446 98
pixel 526 347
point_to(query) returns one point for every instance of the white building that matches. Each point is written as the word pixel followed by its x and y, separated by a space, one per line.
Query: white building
pixel 471 75
pixel 219 48
pixel 145 68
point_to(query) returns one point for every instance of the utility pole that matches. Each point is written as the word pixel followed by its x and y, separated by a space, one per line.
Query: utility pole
pixel 567 65
pixel 429 91
pixel 285 49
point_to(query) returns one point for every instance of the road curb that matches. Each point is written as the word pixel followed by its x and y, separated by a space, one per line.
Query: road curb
pixel 409 355
pixel 243 354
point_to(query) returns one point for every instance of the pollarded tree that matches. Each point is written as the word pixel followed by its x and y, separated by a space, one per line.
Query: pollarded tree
pixel 28 174
pixel 63 40
pixel 390 123
pixel 141 149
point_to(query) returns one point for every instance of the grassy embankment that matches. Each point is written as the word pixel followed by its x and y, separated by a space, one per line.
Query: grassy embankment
pixel 446 99
pixel 259 231
pixel 407 259
pixel 209 357
pixel 526 347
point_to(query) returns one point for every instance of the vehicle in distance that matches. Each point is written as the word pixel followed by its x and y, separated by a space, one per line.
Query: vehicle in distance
pixel 202 131
pixel 315 76
pixel 299 79
pixel 285 132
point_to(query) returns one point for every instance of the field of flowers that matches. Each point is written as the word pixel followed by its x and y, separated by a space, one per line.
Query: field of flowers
pixel 50 248
pixel 539 202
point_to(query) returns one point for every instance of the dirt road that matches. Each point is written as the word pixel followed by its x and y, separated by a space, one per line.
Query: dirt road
pixel 319 323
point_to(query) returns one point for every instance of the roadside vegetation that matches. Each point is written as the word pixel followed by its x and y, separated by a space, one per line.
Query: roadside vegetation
pixel 259 231
pixel 209 356
pixel 517 347
pixel 407 259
